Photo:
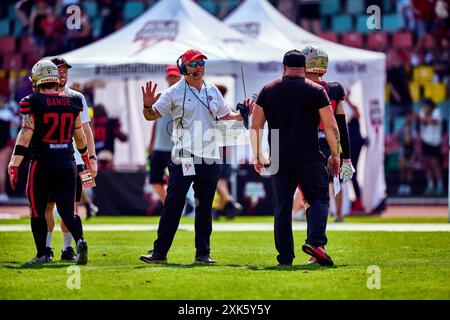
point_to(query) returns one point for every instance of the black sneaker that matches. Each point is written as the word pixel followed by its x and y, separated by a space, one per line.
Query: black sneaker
pixel 232 209
pixel 82 252
pixel 206 259
pixel 49 253
pixel 153 258
pixel 68 254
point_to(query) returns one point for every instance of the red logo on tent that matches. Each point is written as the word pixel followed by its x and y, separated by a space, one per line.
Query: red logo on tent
pixel 155 31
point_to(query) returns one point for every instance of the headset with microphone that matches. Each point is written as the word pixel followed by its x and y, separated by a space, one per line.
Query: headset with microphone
pixel 182 68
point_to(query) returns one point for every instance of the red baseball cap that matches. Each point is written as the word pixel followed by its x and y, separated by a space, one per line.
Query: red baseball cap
pixel 172 70
pixel 192 55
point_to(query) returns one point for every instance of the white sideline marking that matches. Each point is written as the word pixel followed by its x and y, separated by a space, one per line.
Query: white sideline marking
pixel 263 226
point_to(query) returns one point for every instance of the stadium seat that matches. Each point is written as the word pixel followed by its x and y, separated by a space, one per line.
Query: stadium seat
pixel 390 23
pixel 7 44
pixel 361 24
pixel 388 6
pixel 444 106
pixel 4 27
pixel 97 27
pixel 377 40
pixel 353 39
pixel 91 8
pixel 12 61
pixel 429 42
pixel 341 24
pixel 17 30
pixel 414 90
pixel 27 45
pixel 402 40
pixel 423 74
pixel 355 6
pixel 330 36
pixel 132 9
pixel 435 91
pixel 329 7
pixel 209 5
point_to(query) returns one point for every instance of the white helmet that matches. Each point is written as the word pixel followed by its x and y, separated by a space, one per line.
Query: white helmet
pixel 316 59
pixel 44 71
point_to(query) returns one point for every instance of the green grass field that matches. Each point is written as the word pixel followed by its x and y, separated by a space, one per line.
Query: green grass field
pixel 414 265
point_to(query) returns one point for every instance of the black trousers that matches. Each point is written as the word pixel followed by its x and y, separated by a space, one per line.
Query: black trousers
pixel 204 184
pixel 312 177
pixel 57 177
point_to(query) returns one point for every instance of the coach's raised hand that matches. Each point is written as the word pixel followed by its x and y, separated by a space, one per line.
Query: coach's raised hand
pixel 149 98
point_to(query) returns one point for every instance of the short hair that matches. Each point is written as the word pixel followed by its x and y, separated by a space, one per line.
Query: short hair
pixel 429 102
pixel 223 90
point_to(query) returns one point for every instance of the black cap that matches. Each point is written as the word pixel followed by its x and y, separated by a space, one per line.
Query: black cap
pixel 60 61
pixel 294 58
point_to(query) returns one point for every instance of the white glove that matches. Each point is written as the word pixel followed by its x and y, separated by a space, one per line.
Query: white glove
pixel 347 170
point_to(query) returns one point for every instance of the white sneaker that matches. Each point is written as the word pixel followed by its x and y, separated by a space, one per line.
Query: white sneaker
pixel 299 215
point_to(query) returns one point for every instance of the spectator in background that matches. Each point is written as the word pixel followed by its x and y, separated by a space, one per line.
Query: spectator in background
pixel 111 13
pixel 52 28
pixel 308 15
pixel 76 38
pixel 38 14
pixel 442 61
pixel 106 130
pixel 6 144
pixel 398 81
pixel 407 136
pixel 357 142
pixel 224 203
pixel 405 12
pixel 424 17
pixel 23 11
pixel 430 120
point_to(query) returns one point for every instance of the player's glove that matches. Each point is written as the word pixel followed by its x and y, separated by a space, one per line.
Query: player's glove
pixel 244 110
pixel 13 173
pixel 347 170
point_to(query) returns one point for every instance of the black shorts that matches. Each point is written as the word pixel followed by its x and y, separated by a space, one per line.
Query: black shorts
pixel 51 176
pixel 78 187
pixel 431 151
pixel 226 171
pixel 159 161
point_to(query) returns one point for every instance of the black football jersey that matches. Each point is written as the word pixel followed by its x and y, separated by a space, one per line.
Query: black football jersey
pixel 54 117
pixel 336 94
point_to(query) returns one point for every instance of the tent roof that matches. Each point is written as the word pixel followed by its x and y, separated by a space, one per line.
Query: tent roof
pixel 261 20
pixel 163 32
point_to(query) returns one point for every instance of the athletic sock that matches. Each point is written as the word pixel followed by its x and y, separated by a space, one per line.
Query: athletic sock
pixel 67 240
pixel 48 241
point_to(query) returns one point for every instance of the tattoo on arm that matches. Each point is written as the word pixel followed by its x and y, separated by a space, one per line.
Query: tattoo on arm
pixel 338 138
pixel 28 122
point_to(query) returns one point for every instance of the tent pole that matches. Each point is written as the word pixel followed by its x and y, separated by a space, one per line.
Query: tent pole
pixel 128 106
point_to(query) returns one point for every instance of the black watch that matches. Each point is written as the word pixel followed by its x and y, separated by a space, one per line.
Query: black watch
pixel 93 157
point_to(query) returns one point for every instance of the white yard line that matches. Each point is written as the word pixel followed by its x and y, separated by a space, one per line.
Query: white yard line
pixel 396 227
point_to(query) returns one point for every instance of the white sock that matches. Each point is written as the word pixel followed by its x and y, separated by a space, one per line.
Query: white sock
pixel 67 239
pixel 48 242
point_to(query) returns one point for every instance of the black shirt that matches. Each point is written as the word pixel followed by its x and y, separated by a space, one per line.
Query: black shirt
pixel 291 105
pixel 54 124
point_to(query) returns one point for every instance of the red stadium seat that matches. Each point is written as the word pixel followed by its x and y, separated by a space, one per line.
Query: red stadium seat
pixel 429 42
pixel 11 61
pixel 31 58
pixel 27 45
pixel 329 35
pixel 402 40
pixel 377 41
pixel 353 39
pixel 7 44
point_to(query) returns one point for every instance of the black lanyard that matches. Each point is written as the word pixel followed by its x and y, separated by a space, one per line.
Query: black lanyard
pixel 201 101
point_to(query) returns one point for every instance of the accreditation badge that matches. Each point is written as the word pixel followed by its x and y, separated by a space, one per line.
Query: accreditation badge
pixel 188 166
pixel 87 180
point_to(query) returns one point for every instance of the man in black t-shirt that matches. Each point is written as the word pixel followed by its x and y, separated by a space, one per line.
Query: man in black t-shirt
pixel 295 106
pixel 49 123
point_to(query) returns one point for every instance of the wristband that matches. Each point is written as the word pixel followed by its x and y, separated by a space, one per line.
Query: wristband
pixel 82 150
pixel 20 150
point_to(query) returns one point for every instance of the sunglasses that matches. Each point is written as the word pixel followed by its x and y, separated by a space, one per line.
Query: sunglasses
pixel 194 64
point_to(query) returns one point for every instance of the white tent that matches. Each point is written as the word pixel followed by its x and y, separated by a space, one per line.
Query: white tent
pixel 140 51
pixel 361 71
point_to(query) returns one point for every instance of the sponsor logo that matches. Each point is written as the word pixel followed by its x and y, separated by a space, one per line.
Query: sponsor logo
pixel 155 31
pixel 251 29
pixel 59 146
pixel 350 67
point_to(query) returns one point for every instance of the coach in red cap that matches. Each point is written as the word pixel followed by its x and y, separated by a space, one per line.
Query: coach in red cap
pixel 195 107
